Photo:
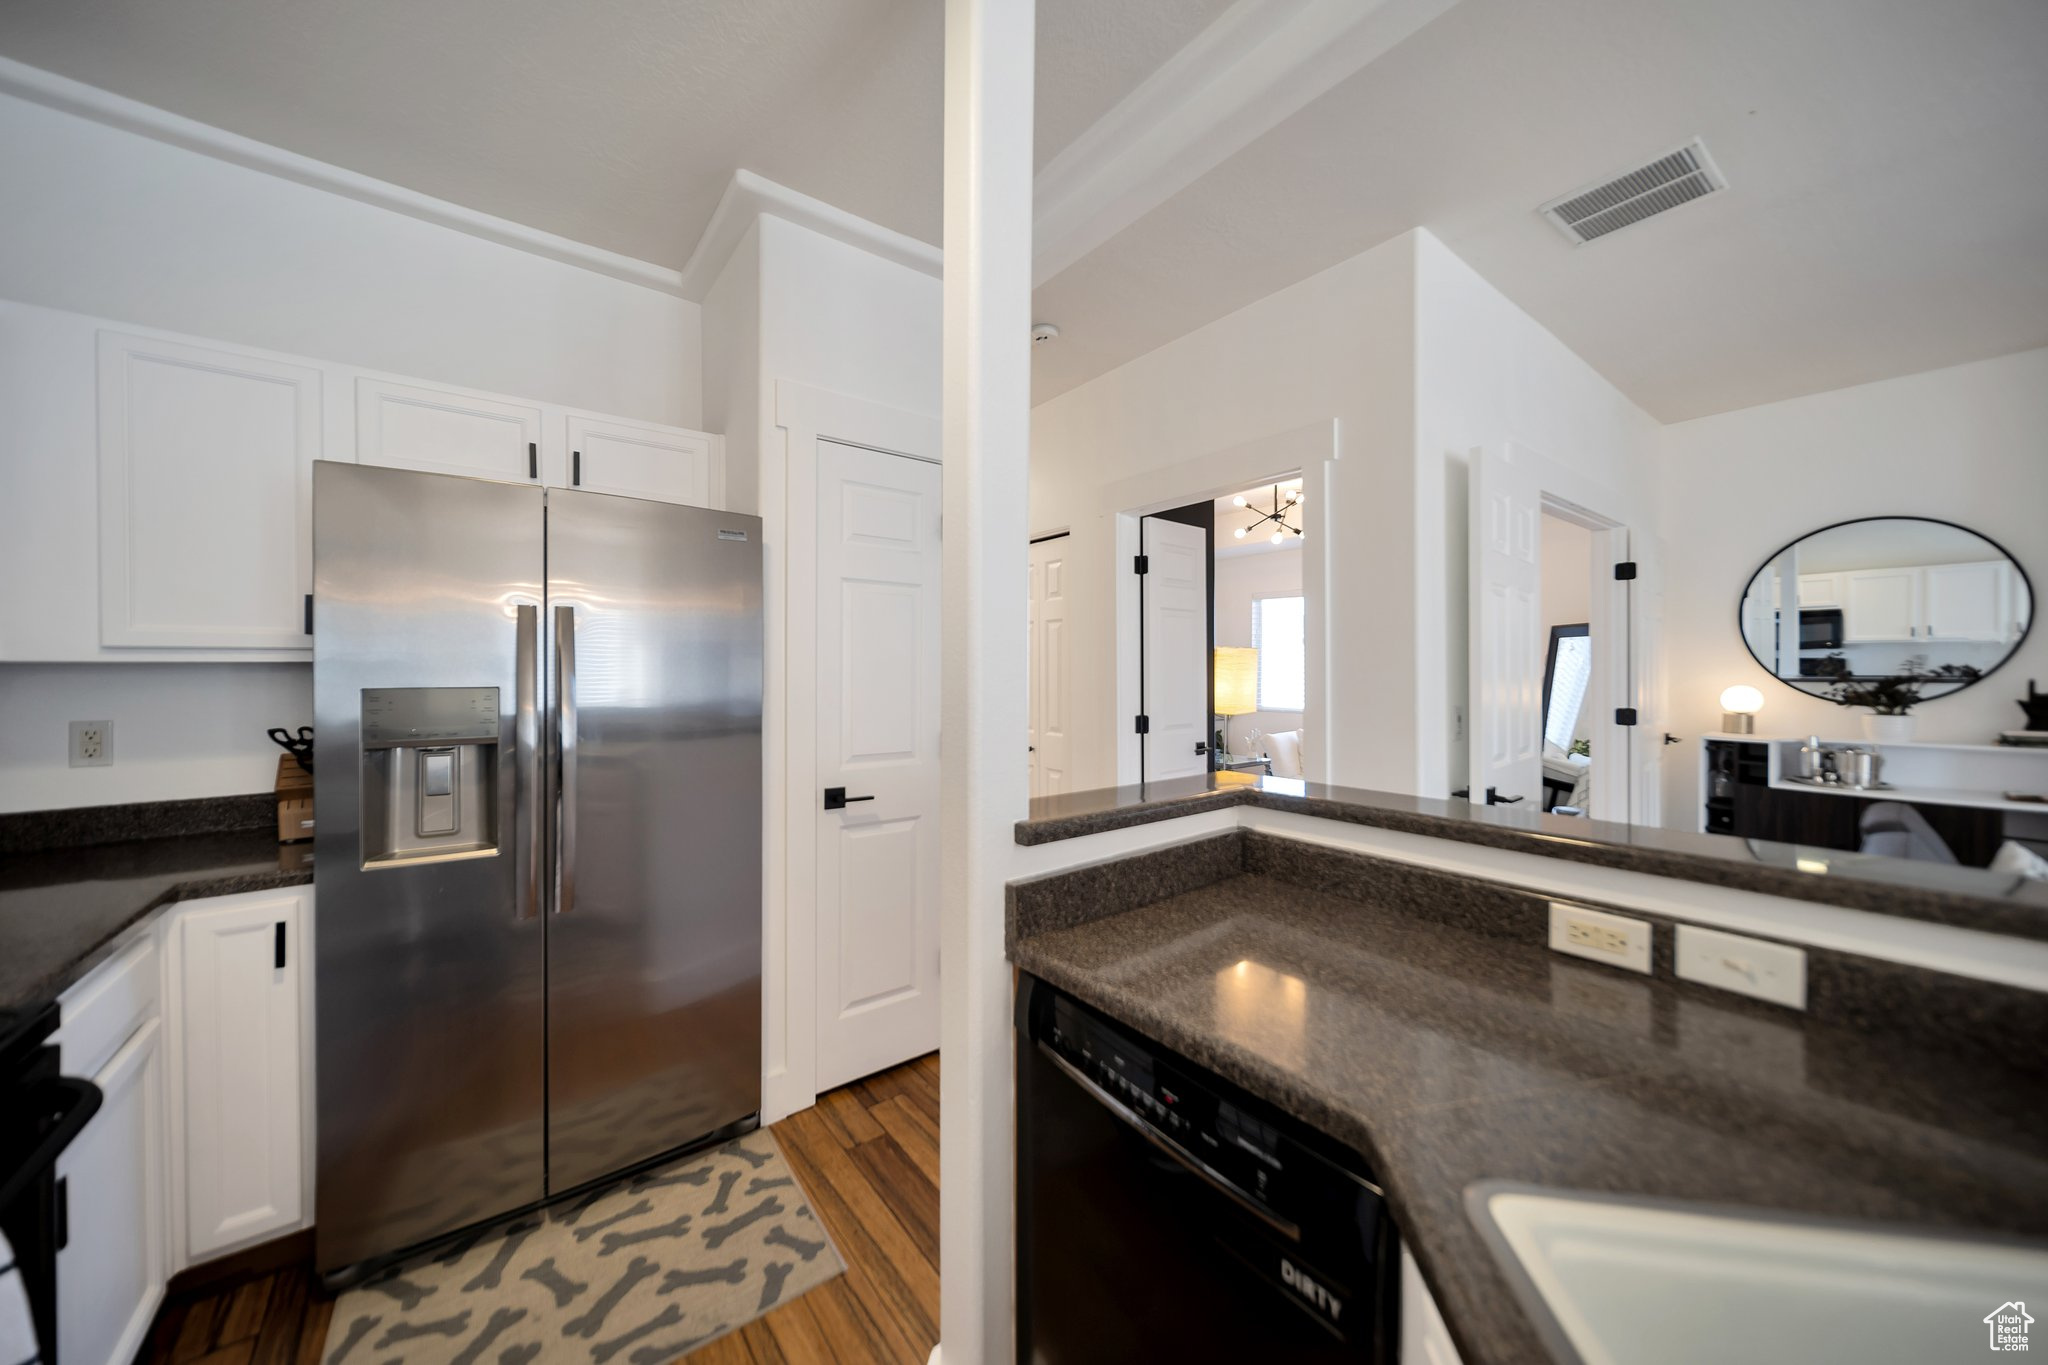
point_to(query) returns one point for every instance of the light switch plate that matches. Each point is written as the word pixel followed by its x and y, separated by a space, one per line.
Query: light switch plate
pixel 1598 936
pixel 1749 966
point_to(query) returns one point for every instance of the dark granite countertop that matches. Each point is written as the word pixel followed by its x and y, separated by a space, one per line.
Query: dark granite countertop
pixel 1969 897
pixel 62 908
pixel 1446 1053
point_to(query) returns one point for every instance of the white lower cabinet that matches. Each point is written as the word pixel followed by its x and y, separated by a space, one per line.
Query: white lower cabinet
pixel 111 1272
pixel 198 1032
pixel 239 998
pixel 1424 1338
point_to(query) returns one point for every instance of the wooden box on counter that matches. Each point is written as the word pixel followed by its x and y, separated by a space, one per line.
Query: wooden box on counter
pixel 294 801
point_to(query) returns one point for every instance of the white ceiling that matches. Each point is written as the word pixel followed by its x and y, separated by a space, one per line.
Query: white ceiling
pixel 1888 168
pixel 618 124
pixel 1888 208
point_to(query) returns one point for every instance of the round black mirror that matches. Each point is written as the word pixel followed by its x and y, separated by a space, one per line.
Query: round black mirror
pixel 1886 597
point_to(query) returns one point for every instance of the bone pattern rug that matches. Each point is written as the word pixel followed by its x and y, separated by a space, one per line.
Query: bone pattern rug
pixel 635 1273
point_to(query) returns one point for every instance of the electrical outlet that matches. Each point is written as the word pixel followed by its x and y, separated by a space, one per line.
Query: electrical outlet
pixel 92 743
pixel 1600 937
pixel 1750 966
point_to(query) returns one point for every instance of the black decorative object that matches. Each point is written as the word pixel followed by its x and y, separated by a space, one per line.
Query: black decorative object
pixel 1899 693
pixel 2035 704
pixel 300 748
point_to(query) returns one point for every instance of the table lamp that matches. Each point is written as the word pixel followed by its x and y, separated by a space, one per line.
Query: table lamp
pixel 1237 686
pixel 1739 705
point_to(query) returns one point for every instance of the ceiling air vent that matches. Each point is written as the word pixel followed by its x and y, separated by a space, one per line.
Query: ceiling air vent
pixel 1672 179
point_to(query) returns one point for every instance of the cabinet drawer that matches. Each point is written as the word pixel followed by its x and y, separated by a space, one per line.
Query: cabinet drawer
pixel 99 1014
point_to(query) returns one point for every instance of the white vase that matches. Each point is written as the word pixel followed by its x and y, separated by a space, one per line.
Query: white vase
pixel 1888 729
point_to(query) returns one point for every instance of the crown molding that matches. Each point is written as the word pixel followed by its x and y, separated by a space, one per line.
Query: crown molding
pixel 1260 63
pixel 749 196
pixel 115 111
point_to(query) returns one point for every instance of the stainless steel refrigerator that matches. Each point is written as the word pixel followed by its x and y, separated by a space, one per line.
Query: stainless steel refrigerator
pixel 537 844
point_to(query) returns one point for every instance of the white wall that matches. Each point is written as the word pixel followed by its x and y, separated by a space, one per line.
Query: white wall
pixel 109 223
pixel 732 370
pixel 117 225
pixel 1961 444
pixel 1567 574
pixel 180 730
pixel 1240 579
pixel 1488 375
pixel 1336 346
pixel 793 309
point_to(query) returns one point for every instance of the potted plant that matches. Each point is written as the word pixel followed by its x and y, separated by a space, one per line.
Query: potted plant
pixel 1890 700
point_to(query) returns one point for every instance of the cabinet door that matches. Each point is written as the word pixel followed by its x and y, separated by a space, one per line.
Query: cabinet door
pixel 1969 602
pixel 1880 604
pixel 205 460
pixel 641 460
pixel 1820 590
pixel 446 431
pixel 238 1020
pixel 110 1275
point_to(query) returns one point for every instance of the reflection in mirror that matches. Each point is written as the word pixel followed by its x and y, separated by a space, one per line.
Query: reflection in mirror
pixel 1885 598
pixel 1567 759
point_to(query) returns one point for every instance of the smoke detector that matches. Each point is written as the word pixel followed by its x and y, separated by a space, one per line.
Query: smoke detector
pixel 1678 177
pixel 1042 332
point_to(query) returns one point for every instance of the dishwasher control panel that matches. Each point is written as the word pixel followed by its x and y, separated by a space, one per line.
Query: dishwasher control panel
pixel 1226 1135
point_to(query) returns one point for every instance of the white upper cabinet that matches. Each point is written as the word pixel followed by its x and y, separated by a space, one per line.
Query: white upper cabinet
pixel 1820 590
pixel 446 431
pixel 239 1051
pixel 1880 604
pixel 641 460
pixel 1970 602
pixel 205 485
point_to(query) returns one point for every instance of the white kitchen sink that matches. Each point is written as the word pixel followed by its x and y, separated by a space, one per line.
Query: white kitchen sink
pixel 1615 1281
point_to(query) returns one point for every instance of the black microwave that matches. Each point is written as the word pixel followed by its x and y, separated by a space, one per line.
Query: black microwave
pixel 1820 628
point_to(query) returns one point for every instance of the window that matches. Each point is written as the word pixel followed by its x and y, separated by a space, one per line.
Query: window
pixel 1280 633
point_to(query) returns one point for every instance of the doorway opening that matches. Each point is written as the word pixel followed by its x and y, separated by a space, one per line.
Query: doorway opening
pixel 1554 695
pixel 1568 663
pixel 1222 661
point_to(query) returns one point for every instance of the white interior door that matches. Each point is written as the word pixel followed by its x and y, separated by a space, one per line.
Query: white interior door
pixel 1650 688
pixel 1176 629
pixel 1507 646
pixel 878 741
pixel 1049 645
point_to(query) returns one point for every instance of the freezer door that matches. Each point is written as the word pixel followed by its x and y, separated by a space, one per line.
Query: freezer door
pixel 429 962
pixel 654 926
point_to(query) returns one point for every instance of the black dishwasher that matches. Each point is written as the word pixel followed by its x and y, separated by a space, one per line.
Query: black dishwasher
pixel 1164 1213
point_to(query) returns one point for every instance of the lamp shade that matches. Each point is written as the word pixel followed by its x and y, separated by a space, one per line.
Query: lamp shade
pixel 1742 700
pixel 1237 680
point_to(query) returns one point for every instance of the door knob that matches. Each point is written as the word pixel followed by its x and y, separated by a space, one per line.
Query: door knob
pixel 837 799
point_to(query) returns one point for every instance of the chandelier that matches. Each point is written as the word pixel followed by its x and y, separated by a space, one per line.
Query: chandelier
pixel 1278 516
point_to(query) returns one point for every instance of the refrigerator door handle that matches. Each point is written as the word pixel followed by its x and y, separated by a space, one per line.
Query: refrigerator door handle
pixel 565 747
pixel 527 803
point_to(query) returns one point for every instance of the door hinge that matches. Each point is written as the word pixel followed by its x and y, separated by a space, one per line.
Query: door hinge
pixel 1141 564
pixel 1624 715
pixel 1625 570
pixel 1144 725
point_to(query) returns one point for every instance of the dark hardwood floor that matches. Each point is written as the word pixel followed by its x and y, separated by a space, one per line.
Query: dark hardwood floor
pixel 868 1157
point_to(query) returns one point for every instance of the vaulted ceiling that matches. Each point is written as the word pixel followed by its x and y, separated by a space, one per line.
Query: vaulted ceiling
pixel 1887 162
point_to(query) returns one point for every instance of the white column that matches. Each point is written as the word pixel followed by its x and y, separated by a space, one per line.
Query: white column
pixel 984 699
